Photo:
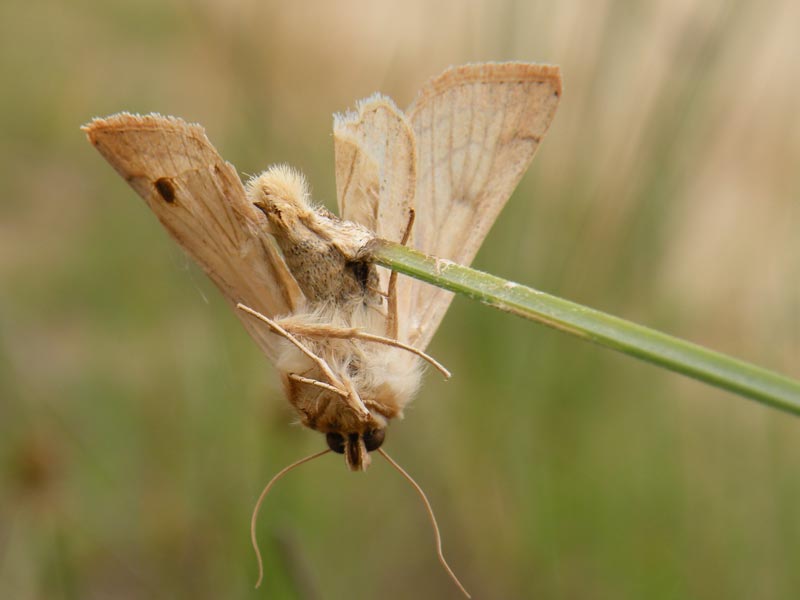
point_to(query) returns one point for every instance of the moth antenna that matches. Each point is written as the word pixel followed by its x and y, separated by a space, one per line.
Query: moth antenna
pixel 428 508
pixel 281 331
pixel 392 322
pixel 260 500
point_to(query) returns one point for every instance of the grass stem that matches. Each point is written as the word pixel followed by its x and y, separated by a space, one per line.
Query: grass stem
pixel 624 336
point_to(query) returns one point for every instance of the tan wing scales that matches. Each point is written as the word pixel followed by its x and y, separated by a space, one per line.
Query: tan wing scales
pixel 376 175
pixel 477 128
pixel 200 200
pixel 375 166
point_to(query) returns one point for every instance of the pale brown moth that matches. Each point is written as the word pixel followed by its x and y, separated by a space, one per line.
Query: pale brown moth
pixel 346 337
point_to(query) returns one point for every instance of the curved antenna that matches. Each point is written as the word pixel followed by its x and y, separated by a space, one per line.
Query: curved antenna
pixel 263 495
pixel 422 495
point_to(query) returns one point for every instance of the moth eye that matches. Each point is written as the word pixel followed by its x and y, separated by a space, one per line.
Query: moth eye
pixel 374 438
pixel 335 442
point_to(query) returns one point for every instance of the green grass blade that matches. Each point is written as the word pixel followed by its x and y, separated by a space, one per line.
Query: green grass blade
pixel 647 344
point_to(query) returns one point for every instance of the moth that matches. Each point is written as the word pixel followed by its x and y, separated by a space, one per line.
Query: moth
pixel 346 337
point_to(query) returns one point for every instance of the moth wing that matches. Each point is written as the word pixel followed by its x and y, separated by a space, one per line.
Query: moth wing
pixel 376 173
pixel 200 200
pixel 375 166
pixel 477 128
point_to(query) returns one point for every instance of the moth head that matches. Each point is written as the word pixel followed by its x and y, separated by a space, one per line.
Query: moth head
pixel 356 446
pixel 281 193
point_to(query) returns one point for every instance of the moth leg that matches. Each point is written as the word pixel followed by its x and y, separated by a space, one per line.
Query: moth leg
pixel 316 382
pixel 383 409
pixel 281 331
pixel 392 323
pixel 377 291
pixel 351 333
pixel 355 399
pixel 351 395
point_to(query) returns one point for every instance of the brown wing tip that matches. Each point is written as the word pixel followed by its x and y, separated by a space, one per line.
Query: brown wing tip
pixel 125 121
pixel 492 72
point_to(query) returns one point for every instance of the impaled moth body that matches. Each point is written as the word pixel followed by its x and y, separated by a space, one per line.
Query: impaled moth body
pixel 346 338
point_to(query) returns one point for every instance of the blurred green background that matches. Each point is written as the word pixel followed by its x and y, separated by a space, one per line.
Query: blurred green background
pixel 138 422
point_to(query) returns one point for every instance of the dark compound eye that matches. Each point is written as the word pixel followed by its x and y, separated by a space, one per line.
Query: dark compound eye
pixel 335 442
pixel 373 439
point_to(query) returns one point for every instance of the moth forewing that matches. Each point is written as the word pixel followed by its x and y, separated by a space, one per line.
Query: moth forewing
pixel 200 201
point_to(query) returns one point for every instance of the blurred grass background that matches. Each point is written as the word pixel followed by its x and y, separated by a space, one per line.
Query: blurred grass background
pixel 138 422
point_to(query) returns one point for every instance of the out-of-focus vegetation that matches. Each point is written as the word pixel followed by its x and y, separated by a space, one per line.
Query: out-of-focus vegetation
pixel 138 422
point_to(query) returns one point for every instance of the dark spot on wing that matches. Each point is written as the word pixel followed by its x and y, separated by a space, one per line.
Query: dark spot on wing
pixel 166 189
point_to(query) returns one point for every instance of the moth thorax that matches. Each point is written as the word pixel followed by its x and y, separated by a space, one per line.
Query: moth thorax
pixel 322 252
